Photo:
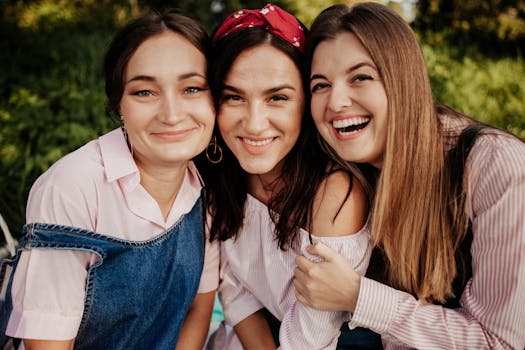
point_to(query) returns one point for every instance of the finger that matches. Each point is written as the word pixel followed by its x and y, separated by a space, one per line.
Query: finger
pixel 300 275
pixel 322 251
pixel 303 263
pixel 300 298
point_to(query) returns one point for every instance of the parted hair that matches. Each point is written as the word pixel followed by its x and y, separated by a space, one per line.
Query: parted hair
pixel 304 167
pixel 419 217
pixel 128 39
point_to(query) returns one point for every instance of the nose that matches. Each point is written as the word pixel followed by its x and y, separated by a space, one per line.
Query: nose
pixel 339 98
pixel 256 118
pixel 171 109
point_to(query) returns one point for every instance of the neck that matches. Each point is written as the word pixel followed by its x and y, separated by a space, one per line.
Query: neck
pixel 162 183
pixel 265 186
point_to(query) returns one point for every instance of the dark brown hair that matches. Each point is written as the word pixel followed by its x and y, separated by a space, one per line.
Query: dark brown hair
pixel 129 38
pixel 304 167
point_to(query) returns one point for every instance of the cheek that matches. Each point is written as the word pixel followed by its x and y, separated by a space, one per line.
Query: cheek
pixel 134 123
pixel 294 120
pixel 125 106
pixel 316 110
pixel 207 115
pixel 222 120
pixel 225 123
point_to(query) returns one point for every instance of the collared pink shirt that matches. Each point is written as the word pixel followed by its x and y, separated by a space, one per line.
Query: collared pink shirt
pixel 96 188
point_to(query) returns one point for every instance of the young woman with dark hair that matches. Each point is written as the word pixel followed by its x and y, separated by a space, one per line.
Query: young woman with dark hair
pixel 114 250
pixel 447 219
pixel 272 190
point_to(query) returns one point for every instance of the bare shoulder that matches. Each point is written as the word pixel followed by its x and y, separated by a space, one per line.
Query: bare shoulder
pixel 340 206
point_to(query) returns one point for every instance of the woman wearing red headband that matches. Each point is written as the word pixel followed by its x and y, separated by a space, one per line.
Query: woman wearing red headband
pixel 272 190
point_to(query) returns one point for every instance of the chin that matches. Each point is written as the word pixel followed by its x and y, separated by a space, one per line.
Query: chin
pixel 256 169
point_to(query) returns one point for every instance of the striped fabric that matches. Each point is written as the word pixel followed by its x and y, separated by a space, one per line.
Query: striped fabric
pixel 492 312
pixel 255 273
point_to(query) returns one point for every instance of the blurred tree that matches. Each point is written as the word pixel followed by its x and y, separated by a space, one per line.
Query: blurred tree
pixel 52 91
pixel 494 25
pixel 307 10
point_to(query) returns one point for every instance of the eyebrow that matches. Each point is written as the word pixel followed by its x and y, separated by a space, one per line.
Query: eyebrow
pixel 267 91
pixel 180 77
pixel 349 70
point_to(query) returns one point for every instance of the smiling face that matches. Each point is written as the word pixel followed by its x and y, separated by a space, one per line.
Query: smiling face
pixel 349 102
pixel 166 104
pixel 261 109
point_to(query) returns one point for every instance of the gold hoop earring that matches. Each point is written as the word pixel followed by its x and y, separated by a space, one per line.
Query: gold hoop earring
pixel 216 151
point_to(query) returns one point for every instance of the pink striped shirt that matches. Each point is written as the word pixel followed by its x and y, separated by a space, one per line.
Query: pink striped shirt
pixel 255 273
pixel 97 188
pixel 492 312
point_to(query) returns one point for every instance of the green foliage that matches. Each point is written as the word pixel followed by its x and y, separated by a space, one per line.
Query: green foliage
pixel 52 101
pixel 487 89
pixel 493 26
pixel 52 95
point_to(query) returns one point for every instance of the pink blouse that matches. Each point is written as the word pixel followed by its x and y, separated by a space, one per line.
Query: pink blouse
pixel 492 312
pixel 255 273
pixel 97 188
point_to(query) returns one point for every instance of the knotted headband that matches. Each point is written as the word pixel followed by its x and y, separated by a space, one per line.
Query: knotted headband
pixel 271 17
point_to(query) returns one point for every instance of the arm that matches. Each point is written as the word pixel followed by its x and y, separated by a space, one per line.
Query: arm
pixel 39 310
pixel 242 311
pixel 33 344
pixel 196 324
pixel 254 332
pixel 335 216
pixel 492 312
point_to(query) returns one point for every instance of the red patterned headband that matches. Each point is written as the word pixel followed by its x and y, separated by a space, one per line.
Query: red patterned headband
pixel 274 19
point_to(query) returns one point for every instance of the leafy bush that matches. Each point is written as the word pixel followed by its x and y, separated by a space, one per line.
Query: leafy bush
pixel 487 89
pixel 52 101
pixel 52 95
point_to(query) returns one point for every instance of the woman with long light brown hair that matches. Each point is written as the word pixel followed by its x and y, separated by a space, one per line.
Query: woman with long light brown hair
pixel 447 220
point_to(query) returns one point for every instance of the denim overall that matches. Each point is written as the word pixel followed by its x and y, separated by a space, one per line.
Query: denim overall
pixel 139 292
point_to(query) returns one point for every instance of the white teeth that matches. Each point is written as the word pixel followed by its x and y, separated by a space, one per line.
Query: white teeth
pixel 257 143
pixel 343 123
pixel 346 133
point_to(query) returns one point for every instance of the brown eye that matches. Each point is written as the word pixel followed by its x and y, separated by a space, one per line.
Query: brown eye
pixel 319 86
pixel 362 77
pixel 193 90
pixel 279 98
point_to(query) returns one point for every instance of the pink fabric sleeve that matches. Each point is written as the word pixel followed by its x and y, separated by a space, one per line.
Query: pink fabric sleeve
pixel 305 328
pixel 237 302
pixel 210 272
pixel 49 286
pixel 492 312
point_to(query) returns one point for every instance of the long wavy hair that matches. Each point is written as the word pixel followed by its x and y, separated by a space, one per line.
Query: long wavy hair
pixel 419 215
pixel 304 167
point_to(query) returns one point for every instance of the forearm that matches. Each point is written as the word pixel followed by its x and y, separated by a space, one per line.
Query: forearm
pixel 197 322
pixel 254 332
pixel 35 344
pixel 400 318
pixel 237 302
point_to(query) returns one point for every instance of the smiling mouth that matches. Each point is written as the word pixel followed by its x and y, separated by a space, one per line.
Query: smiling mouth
pixel 257 143
pixel 350 126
